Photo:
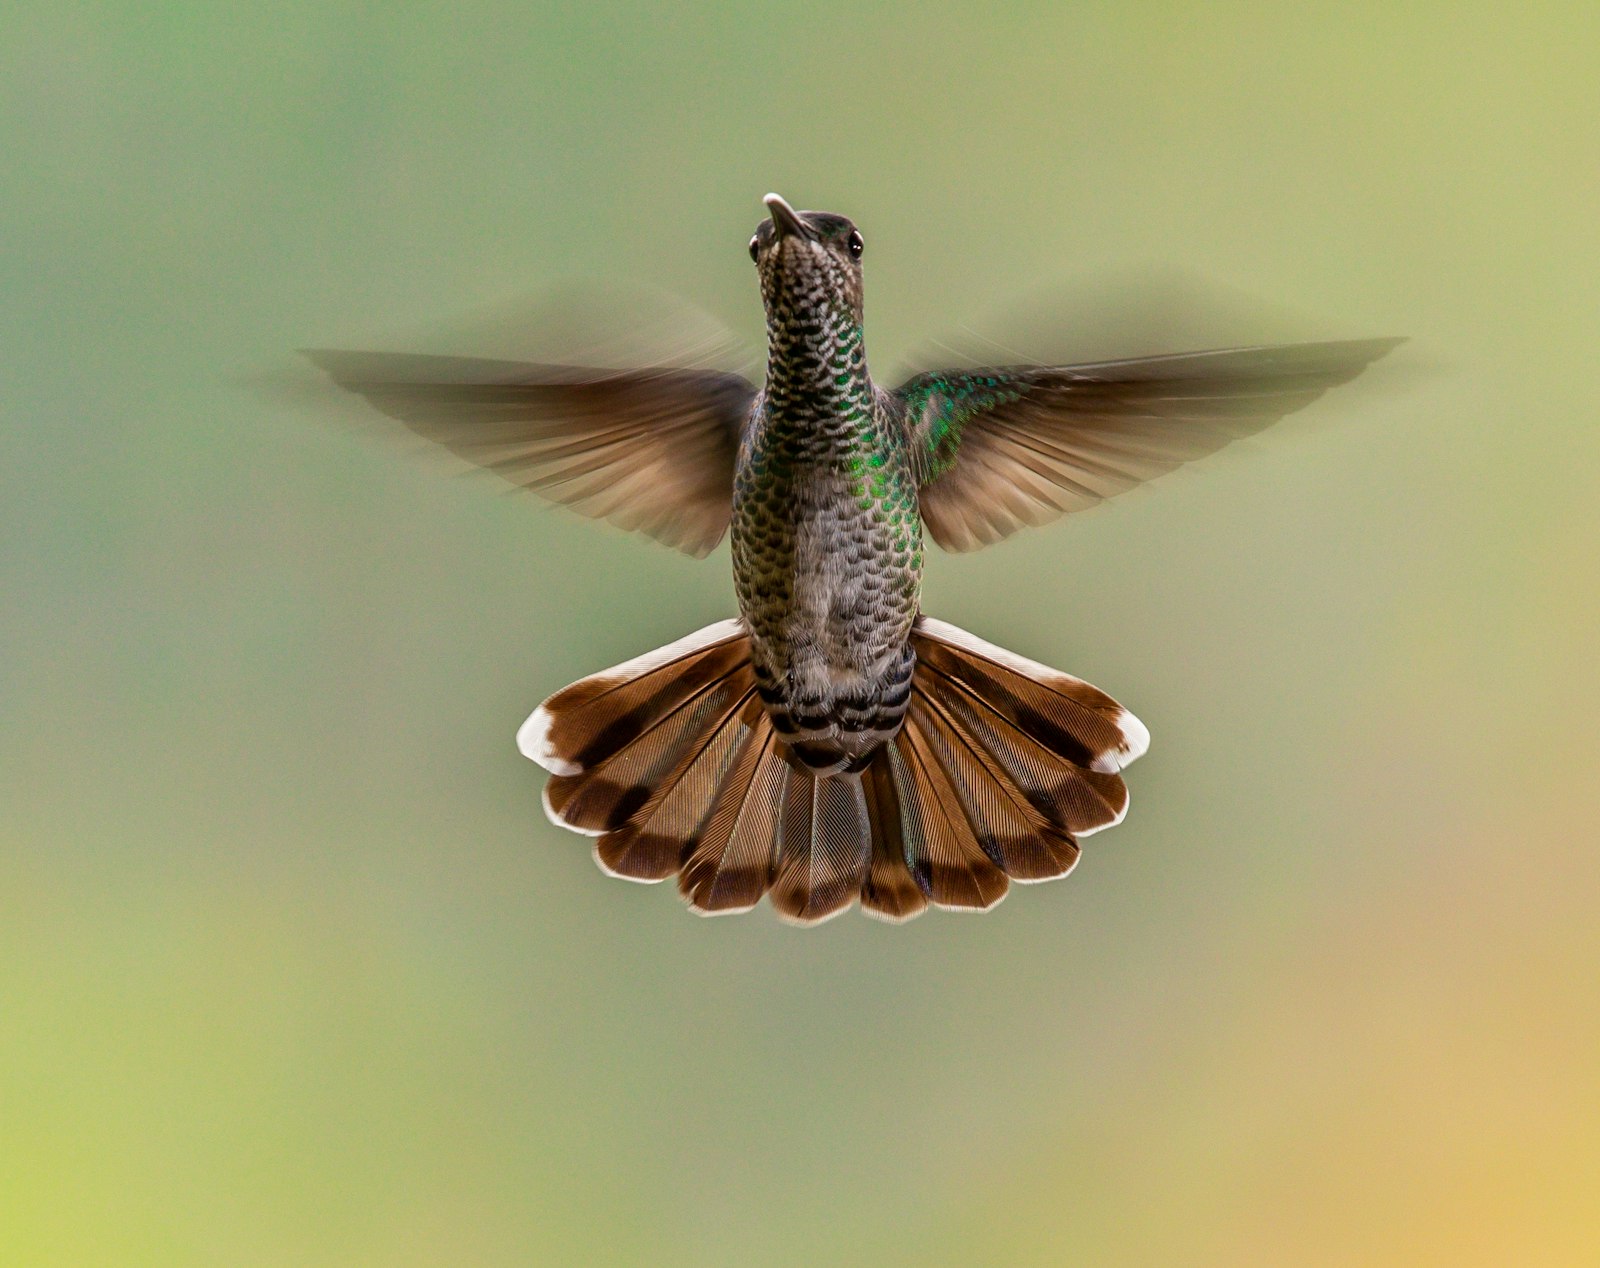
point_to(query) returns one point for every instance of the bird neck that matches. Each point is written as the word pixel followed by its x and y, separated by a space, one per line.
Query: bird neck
pixel 817 382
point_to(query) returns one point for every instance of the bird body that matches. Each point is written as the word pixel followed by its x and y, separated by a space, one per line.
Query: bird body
pixel 826 535
pixel 833 743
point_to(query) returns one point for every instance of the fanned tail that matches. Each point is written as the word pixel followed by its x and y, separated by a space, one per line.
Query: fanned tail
pixel 671 761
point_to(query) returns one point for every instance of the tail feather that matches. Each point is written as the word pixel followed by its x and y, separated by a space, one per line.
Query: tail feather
pixel 947 860
pixel 1019 840
pixel 891 892
pixel 1069 717
pixel 603 797
pixel 661 833
pixel 673 763
pixel 649 845
pixel 725 869
pixel 630 857
pixel 1076 798
pixel 582 725
pixel 823 846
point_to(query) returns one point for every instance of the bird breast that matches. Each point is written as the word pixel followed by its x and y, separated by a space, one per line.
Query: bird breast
pixel 827 554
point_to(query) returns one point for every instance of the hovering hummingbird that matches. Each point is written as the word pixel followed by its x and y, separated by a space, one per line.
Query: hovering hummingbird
pixel 832 742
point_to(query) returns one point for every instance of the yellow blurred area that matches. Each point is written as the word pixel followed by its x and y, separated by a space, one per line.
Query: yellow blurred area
pixel 293 970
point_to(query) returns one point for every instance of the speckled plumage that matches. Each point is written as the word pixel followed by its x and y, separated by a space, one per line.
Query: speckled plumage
pixel 826 535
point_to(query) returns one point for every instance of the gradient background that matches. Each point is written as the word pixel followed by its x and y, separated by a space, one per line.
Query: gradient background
pixel 294 971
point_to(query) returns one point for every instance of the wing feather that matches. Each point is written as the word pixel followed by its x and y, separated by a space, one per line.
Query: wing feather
pixel 649 450
pixel 1008 446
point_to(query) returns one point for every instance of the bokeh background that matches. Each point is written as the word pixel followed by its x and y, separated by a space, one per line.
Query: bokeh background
pixel 294 971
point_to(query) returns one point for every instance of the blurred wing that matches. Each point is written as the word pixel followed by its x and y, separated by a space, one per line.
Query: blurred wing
pixel 1014 445
pixel 651 449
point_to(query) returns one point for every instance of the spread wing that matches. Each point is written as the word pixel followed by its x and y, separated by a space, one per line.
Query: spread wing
pixel 1001 448
pixel 651 449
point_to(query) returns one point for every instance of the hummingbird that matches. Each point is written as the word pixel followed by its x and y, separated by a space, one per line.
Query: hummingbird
pixel 832 743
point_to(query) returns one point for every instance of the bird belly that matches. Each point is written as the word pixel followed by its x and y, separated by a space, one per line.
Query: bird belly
pixel 828 587
pixel 846 628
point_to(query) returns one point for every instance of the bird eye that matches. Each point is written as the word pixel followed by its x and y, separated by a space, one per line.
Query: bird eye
pixel 855 244
pixel 755 250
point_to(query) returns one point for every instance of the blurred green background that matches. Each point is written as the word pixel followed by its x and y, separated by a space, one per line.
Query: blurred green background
pixel 294 971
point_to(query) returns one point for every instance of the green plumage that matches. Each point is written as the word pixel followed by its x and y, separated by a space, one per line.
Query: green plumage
pixel 945 403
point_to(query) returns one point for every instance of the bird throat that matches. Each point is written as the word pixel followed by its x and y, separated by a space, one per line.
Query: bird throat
pixel 818 391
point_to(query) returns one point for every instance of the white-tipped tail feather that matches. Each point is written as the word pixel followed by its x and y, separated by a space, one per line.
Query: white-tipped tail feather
pixel 534 739
pixel 533 742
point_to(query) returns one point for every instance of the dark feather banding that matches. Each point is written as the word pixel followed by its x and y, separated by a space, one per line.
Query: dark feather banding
pixel 673 761
pixel 726 866
pixel 949 865
pixel 605 797
pixel 1068 716
pixel 653 840
pixel 584 724
pixel 890 892
pixel 1075 798
pixel 1017 836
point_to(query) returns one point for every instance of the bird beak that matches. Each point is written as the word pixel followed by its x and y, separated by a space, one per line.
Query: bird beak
pixel 785 219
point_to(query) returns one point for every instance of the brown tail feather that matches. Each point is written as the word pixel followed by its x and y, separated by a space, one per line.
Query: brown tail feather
pixel 1066 715
pixel 726 868
pixel 891 892
pixel 1019 840
pixel 582 725
pixel 1072 797
pixel 664 829
pixel 651 843
pixel 604 797
pixel 948 863
pixel 672 762
pixel 823 845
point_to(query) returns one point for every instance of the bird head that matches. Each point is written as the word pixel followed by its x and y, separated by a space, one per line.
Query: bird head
pixel 810 265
